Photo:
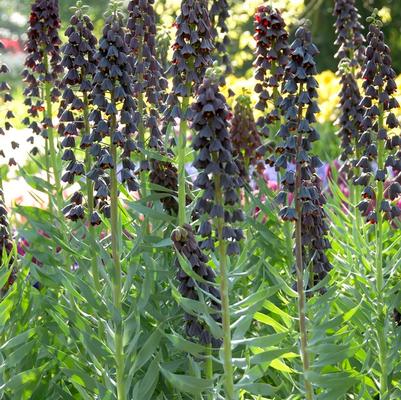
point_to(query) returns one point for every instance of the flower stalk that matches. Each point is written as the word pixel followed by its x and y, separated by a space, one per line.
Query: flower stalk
pixel 381 316
pixel 117 286
pixel 224 292
pixel 380 154
pixel 181 156
pixel 219 179
pixel 50 135
pixel 299 262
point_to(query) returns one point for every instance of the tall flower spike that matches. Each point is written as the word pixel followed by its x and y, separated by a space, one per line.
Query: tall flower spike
pixel 219 13
pixel 192 52
pixel 141 38
pixel 299 107
pixel 381 155
pixel 214 160
pixel 245 136
pixel 43 60
pixel 350 118
pixel 220 182
pixel 272 53
pixel 149 88
pixel 148 77
pixel 186 245
pixel 192 55
pixel 80 64
pixel 115 115
pixel 349 35
pixel 5 97
pixel 381 144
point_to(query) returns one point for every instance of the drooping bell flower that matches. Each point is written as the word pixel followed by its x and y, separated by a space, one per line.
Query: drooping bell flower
pixel 77 103
pixel 350 118
pixel 380 140
pixel 272 52
pixel 186 245
pixel 297 133
pixel 43 62
pixel 8 115
pixel 114 115
pixel 218 172
pixel 350 39
pixel 192 47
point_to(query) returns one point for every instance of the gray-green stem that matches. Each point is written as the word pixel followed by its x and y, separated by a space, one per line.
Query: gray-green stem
pixel 300 268
pixel 90 198
pixel 225 302
pixel 117 285
pixel 51 138
pixel 381 314
pixel 181 154
pixel 209 367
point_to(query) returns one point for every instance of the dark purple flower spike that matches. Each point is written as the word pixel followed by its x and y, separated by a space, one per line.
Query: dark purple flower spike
pixel 218 171
pixel 297 134
pixel 6 97
pixel 187 246
pixel 245 137
pixel 76 105
pixel 272 56
pixel 114 116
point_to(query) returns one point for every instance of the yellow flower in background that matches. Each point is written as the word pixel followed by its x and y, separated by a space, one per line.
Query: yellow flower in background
pixel 329 87
pixel 385 14
pixel 328 90
pixel 239 86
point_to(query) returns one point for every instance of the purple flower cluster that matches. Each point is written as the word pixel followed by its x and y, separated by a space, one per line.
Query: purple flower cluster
pixel 5 97
pixel 147 74
pixel 299 107
pixel 349 35
pixel 80 62
pixel 193 47
pixel 186 245
pixel 350 118
pixel 115 115
pixel 272 52
pixel 43 61
pixel 378 128
pixel 217 168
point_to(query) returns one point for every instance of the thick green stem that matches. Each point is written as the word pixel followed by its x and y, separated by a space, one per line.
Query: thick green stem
pixel 117 285
pixel 51 138
pixel 300 266
pixel 381 314
pixel 301 303
pixel 90 198
pixel 181 154
pixel 354 191
pixel 225 302
pixel 47 163
pixel 209 368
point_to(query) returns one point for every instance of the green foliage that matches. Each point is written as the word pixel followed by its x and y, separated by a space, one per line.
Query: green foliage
pixel 58 323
